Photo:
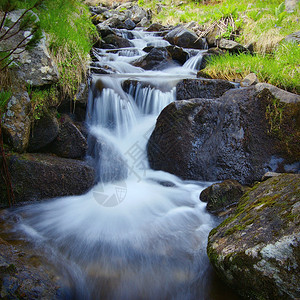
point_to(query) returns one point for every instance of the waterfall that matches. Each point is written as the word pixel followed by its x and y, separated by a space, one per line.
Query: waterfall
pixel 138 233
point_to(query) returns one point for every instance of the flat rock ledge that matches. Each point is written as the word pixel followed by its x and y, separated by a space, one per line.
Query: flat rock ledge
pixel 40 176
pixel 256 250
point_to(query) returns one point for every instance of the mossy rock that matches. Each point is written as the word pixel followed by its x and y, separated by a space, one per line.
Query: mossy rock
pixel 256 250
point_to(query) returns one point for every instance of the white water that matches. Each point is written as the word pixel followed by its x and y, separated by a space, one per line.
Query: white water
pixel 139 233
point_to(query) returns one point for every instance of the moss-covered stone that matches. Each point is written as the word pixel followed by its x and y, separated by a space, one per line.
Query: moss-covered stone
pixel 256 250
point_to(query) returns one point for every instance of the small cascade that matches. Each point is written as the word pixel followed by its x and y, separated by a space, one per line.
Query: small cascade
pixel 194 62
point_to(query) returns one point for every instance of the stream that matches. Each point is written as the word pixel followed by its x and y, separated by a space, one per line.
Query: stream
pixel 138 233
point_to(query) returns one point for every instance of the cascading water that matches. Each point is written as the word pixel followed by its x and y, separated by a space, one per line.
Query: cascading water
pixel 139 233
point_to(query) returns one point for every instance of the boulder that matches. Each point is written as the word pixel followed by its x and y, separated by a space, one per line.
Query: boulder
pixel 138 13
pixel 293 37
pixel 155 27
pixel 34 67
pixel 231 46
pixel 144 22
pixel 118 41
pixel 256 250
pixel 221 196
pixel 250 79
pixel 182 37
pixel 240 136
pixel 114 22
pixel 212 35
pixel 69 143
pixel 26 275
pixel 44 131
pixel 156 59
pixel 202 88
pixel 129 24
pixel 178 54
pixel 38 176
pixel 16 122
pixel 104 30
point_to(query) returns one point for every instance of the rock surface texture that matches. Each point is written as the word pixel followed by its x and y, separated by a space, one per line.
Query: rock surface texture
pixel 16 121
pixel 38 176
pixel 240 136
pixel 256 250
pixel 221 196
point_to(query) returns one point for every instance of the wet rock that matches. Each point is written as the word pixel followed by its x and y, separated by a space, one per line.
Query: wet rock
pixel 118 41
pixel 114 22
pixel 34 67
pixel 38 176
pixel 202 88
pixel 69 143
pixel 221 196
pixel 178 54
pixel 156 59
pixel 25 275
pixel 231 46
pixel 237 136
pixel 129 24
pixel 269 175
pixel 105 30
pixel 182 37
pixel 44 131
pixel 16 122
pixel 155 27
pixel 250 79
pixel 256 250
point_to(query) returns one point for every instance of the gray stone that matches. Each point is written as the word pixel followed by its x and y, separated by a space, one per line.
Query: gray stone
pixel 182 37
pixel 34 67
pixel 69 143
pixel 221 196
pixel 118 41
pixel 256 250
pixel 231 46
pixel 129 24
pixel 16 122
pixel 237 136
pixel 250 79
pixel 202 88
pixel 104 30
pixel 293 37
pixel 44 131
pixel 38 176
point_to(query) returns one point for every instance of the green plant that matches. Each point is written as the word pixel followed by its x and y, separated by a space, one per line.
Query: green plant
pixel 26 21
pixel 280 14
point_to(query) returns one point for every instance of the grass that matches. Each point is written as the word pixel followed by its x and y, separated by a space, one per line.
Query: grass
pixel 281 69
pixel 70 36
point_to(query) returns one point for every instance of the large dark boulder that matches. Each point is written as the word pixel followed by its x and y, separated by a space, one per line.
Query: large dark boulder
pixel 117 41
pixel 44 131
pixel 38 176
pixel 240 136
pixel 202 88
pixel 256 250
pixel 70 142
pixel 223 195
pixel 182 37
pixel 178 54
pixel 156 59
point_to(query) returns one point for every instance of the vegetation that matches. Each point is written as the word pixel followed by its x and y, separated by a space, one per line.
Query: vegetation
pixel 282 68
pixel 262 24
pixel 70 35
